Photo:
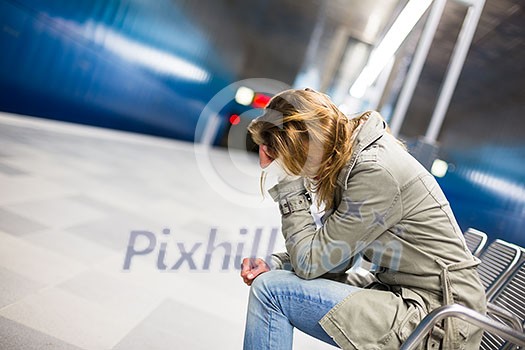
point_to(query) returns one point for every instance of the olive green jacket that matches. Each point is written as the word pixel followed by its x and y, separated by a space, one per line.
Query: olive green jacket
pixel 390 211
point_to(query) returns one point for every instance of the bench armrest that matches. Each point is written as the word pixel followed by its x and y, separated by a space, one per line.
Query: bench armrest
pixel 468 315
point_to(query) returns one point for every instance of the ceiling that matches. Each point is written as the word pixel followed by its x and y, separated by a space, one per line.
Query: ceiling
pixel 492 80
pixel 270 39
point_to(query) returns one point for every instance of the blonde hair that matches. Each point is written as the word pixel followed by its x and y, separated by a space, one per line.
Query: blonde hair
pixel 310 135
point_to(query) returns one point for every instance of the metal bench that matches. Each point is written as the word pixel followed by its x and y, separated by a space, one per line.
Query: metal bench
pixel 505 320
pixel 511 298
pixel 475 240
pixel 497 262
pixel 466 314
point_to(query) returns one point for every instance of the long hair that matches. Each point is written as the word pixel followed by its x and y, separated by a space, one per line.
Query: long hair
pixel 310 135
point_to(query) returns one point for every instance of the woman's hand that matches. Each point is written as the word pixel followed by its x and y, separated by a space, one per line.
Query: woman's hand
pixel 251 268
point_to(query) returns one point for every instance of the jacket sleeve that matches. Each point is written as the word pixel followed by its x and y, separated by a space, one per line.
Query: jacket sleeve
pixel 370 205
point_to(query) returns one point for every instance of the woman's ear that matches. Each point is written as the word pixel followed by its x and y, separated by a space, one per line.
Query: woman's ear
pixel 264 157
pixel 270 152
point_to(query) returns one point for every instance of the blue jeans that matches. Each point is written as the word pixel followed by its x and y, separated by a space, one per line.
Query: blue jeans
pixel 280 301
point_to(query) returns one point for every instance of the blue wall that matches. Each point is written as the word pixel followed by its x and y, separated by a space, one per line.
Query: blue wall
pixel 486 189
pixel 130 64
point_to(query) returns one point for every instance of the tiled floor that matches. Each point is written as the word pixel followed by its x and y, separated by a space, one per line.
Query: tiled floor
pixel 70 198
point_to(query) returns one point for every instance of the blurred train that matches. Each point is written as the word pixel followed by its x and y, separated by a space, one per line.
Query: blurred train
pixel 146 67
pixel 132 65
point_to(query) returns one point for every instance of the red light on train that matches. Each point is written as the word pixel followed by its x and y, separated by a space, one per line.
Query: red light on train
pixel 235 119
pixel 260 100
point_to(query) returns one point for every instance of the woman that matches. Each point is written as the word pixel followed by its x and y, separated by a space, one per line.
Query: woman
pixel 381 206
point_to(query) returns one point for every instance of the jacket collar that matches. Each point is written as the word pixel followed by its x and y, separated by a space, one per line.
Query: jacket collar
pixel 372 129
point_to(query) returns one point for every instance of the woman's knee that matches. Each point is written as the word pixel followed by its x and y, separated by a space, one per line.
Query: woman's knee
pixel 267 282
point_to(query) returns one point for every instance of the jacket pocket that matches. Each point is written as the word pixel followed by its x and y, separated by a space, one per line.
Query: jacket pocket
pixel 461 333
pixel 370 320
pixel 414 314
pixel 460 336
pixel 409 323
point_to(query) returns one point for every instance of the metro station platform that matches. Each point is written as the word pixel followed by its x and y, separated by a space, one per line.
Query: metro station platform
pixel 70 198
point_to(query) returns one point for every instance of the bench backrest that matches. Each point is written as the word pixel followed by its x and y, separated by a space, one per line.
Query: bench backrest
pixel 475 240
pixel 497 262
pixel 511 296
